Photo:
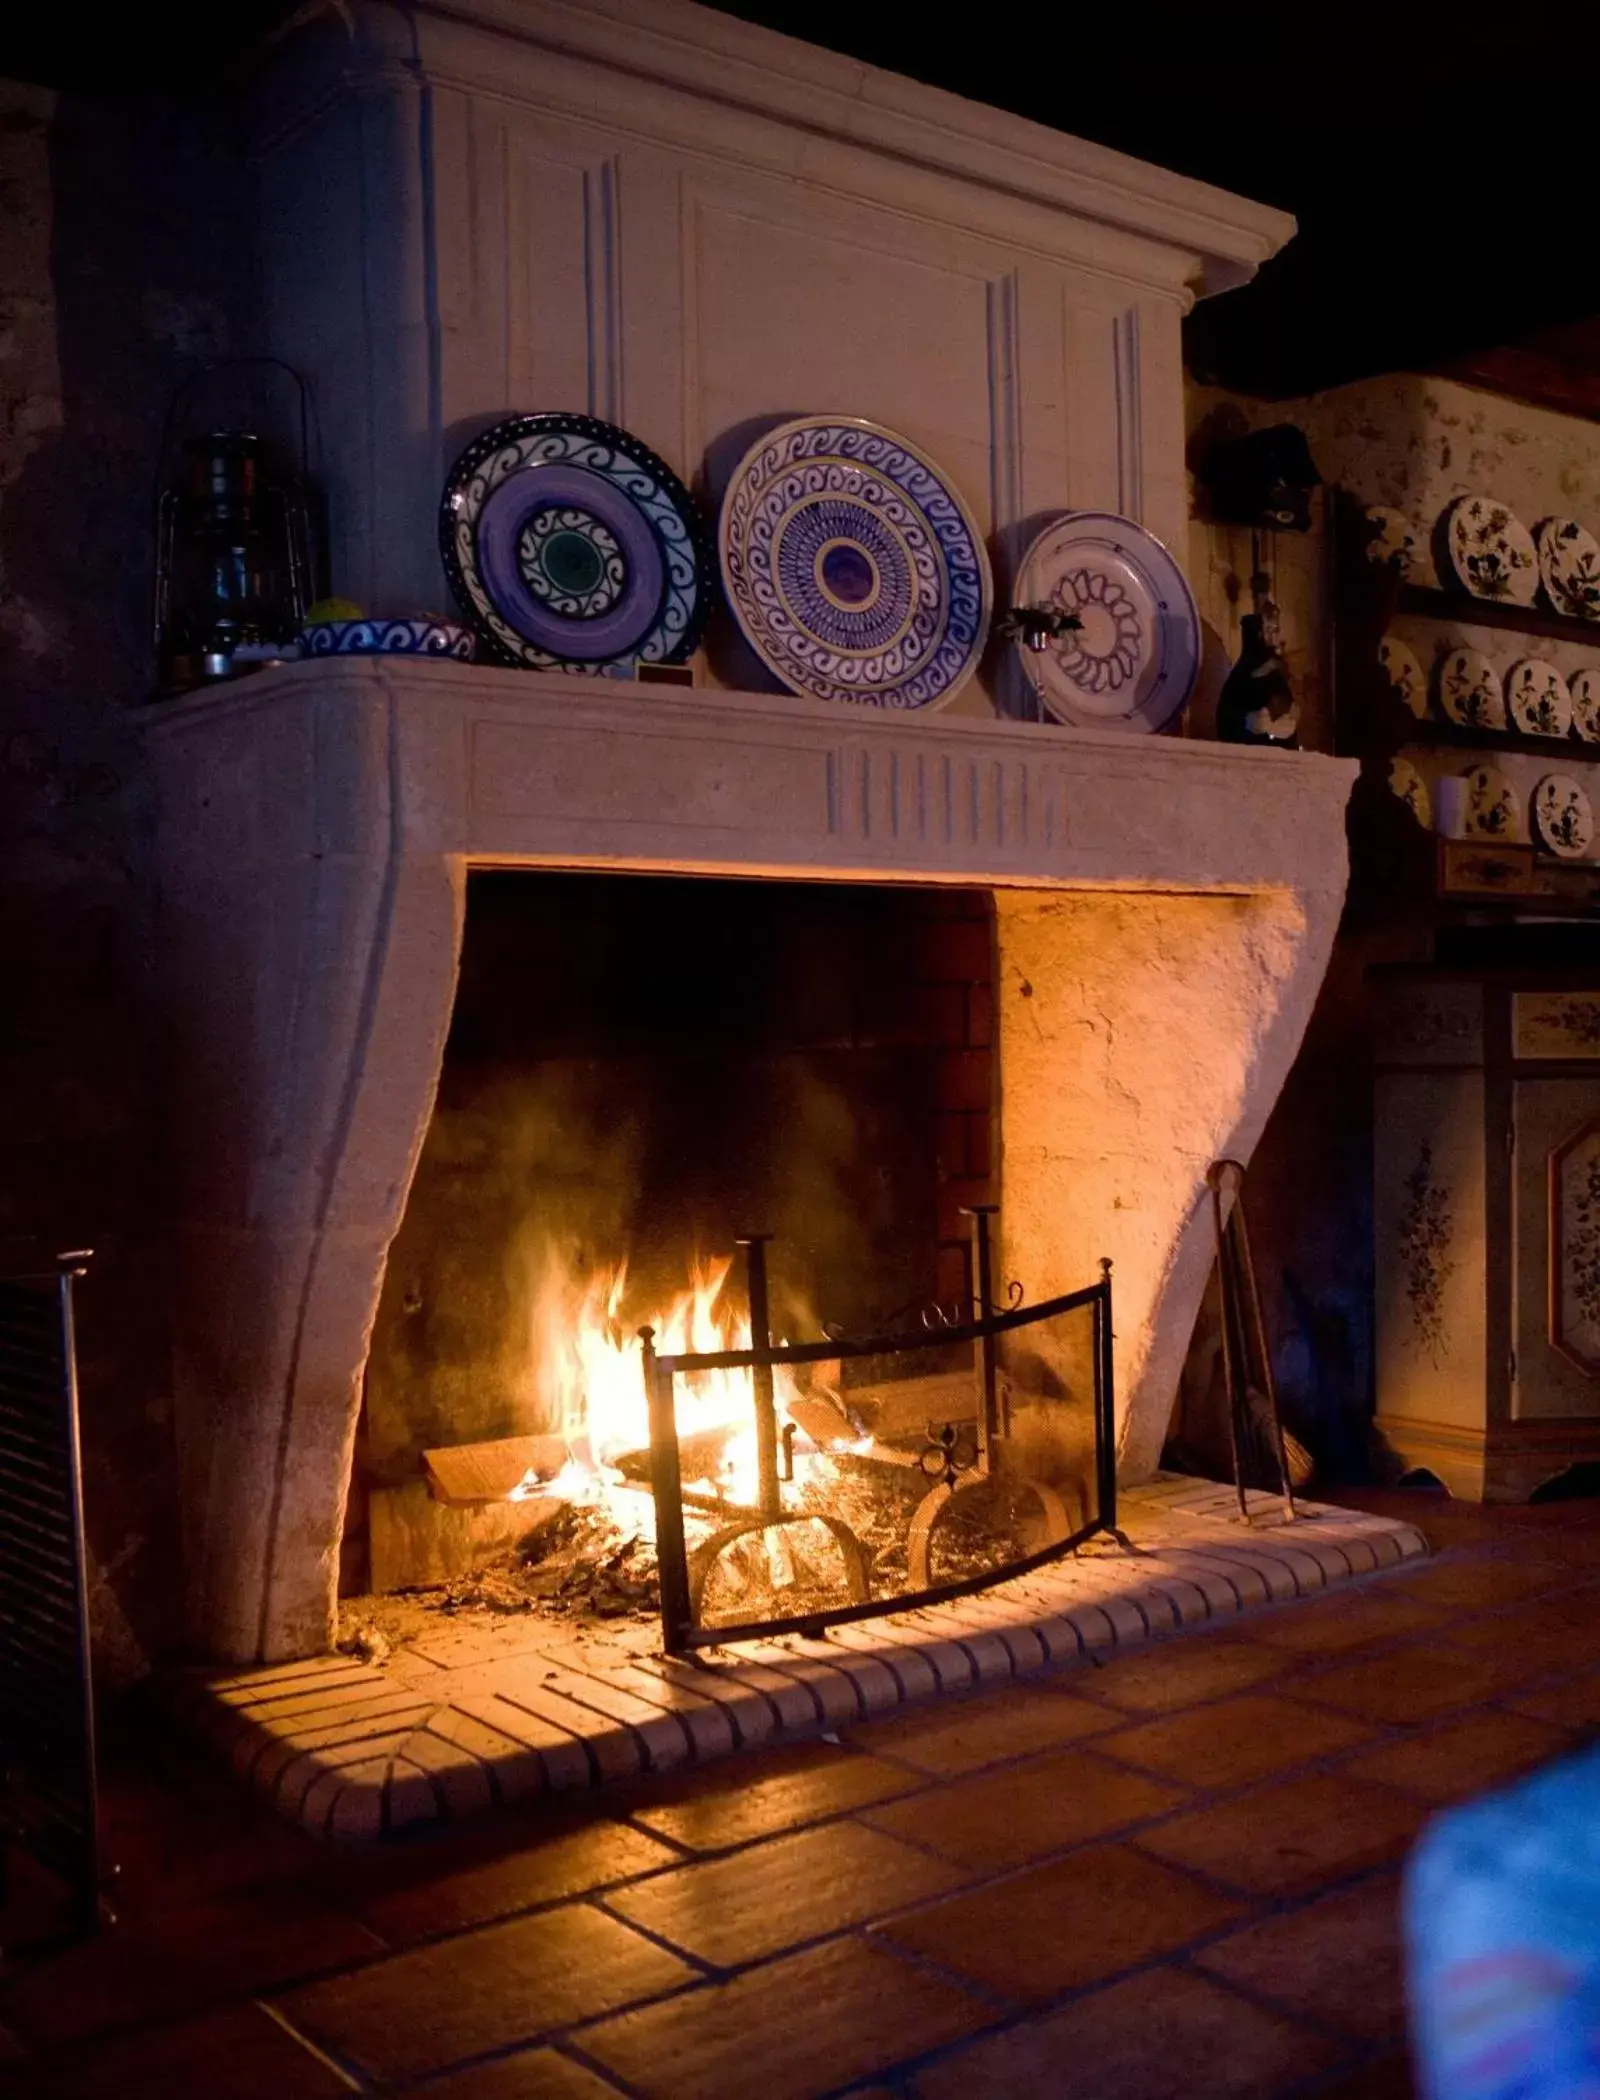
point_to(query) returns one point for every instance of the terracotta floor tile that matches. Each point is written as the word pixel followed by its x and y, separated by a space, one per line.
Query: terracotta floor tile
pixel 532 2074
pixel 163 1967
pixel 728 1911
pixel 1573 1603
pixel 1458 1758
pixel 1003 1819
pixel 195 1839
pixel 1177 1673
pixel 1059 1927
pixel 484 1990
pixel 1556 1632
pixel 1415 1682
pixel 1143 2039
pixel 1481 1580
pixel 729 1804
pixel 425 1897
pixel 1338 1960
pixel 787 2030
pixel 1385 2078
pixel 1574 1703
pixel 1289 1837
pixel 966 1734
pixel 1356 1619
pixel 1233 1742
pixel 235 2053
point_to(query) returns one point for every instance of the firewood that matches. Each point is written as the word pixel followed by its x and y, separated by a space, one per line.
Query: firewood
pixel 466 1473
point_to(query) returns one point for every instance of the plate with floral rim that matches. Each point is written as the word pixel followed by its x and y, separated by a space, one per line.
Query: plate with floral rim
pixel 853 566
pixel 1563 816
pixel 1408 784
pixel 1407 679
pixel 571 546
pixel 1491 805
pixel 1470 692
pixel 1132 659
pixel 1491 551
pixel 1584 687
pixel 1569 567
pixel 1538 700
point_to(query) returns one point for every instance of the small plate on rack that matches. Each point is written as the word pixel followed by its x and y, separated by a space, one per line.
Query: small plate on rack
pixel 1469 690
pixel 1563 816
pixel 1537 696
pixel 1491 805
pixel 1569 567
pixel 1392 539
pixel 1491 552
pixel 1406 677
pixel 1406 782
pixel 1584 686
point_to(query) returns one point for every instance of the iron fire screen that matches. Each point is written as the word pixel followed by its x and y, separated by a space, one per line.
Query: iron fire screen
pixel 880 1474
pixel 47 1751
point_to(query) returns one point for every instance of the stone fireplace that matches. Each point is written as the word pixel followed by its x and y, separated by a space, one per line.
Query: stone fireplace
pixel 1162 916
pixel 658 215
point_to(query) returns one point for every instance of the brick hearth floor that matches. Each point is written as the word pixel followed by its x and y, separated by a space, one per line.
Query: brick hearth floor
pixel 1169 1876
pixel 487 1711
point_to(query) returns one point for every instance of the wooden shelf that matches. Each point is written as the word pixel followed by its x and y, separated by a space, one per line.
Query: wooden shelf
pixel 1433 730
pixel 1462 610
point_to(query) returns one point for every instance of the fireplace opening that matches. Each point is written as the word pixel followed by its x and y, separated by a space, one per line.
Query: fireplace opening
pixel 641 1072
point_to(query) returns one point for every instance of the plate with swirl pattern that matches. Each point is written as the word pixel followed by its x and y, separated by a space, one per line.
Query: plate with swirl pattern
pixel 852 565
pixel 571 547
pixel 1131 659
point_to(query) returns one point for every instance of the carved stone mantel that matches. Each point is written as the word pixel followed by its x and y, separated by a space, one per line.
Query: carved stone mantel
pixel 1165 910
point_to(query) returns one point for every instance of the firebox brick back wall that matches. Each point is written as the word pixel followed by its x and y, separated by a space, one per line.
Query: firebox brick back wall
pixel 637 1071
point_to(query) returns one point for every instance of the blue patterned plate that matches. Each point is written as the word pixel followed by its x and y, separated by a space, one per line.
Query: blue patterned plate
pixel 1132 660
pixel 571 547
pixel 854 568
pixel 420 637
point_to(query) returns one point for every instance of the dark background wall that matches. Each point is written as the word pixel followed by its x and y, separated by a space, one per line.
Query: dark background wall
pixel 119 267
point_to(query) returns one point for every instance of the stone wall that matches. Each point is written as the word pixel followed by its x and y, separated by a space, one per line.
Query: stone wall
pixel 116 228
pixel 1414 443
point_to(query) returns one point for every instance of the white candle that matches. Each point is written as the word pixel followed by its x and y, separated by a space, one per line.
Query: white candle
pixel 1450 806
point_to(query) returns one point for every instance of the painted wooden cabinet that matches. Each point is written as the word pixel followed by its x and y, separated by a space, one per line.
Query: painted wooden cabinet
pixel 1487 1227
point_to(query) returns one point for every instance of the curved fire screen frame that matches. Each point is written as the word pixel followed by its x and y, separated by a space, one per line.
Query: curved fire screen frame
pixel 993 1445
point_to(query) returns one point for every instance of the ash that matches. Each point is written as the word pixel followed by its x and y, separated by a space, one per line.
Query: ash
pixel 579 1568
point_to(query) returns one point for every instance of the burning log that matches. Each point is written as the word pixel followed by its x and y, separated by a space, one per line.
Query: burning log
pixel 700 1457
pixel 461 1474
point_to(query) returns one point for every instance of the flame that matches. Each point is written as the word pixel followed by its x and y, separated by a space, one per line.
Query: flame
pixel 589 1381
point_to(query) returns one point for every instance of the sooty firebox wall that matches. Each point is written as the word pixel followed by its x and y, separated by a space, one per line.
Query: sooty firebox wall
pixel 639 1069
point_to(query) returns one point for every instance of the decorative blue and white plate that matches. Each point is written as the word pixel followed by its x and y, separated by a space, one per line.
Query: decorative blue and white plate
pixel 1132 660
pixel 388 638
pixel 853 567
pixel 571 547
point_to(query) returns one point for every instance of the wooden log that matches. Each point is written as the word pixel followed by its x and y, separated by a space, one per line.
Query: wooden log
pixel 463 1474
pixel 901 1407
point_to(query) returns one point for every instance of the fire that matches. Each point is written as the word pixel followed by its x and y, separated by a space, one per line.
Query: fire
pixel 589 1381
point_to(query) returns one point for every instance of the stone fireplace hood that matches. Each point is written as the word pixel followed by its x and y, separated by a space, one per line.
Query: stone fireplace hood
pixel 1165 911
pixel 651 212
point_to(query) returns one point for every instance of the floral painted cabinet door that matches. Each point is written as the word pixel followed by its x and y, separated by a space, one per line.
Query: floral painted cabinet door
pixel 1486 1209
pixel 1429 1233
pixel 1557 1305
